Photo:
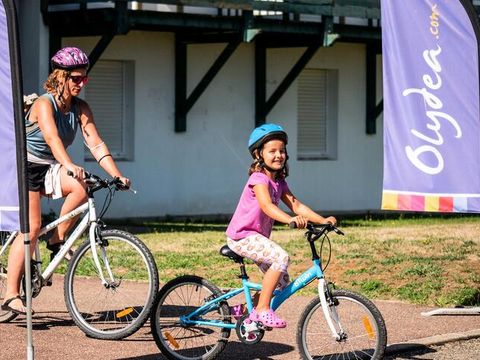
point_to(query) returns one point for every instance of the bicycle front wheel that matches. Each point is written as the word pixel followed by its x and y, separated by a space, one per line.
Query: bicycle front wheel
pixel 360 323
pixel 180 340
pixel 118 308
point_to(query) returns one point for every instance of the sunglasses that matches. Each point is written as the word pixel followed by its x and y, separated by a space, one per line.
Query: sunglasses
pixel 78 79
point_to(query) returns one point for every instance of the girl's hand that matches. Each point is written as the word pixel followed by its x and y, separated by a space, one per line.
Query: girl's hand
pixel 300 221
pixel 331 220
pixel 77 172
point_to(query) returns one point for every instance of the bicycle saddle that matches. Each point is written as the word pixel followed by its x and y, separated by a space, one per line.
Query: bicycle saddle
pixel 226 251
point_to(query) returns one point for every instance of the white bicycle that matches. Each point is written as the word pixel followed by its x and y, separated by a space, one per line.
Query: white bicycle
pixel 112 279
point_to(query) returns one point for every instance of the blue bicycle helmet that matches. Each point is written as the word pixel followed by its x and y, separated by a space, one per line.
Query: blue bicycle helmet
pixel 264 133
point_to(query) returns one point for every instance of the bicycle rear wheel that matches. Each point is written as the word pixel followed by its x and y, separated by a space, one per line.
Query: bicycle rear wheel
pixel 179 297
pixel 119 308
pixel 5 316
pixel 365 334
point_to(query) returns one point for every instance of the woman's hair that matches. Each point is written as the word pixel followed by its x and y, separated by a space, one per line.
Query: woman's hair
pixel 258 164
pixel 53 86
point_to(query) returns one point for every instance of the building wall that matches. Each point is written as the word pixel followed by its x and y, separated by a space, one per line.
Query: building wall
pixel 202 171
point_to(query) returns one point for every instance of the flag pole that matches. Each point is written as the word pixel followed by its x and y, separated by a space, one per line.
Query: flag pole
pixel 17 94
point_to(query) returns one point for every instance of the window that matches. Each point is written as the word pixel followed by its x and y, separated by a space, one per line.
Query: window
pixel 317 114
pixel 110 95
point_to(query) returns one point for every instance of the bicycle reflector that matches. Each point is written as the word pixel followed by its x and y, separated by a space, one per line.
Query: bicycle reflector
pixel 368 327
pixel 171 339
pixel 125 312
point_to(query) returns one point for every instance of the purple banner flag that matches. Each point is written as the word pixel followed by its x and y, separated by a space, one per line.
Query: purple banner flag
pixel 9 194
pixel 431 106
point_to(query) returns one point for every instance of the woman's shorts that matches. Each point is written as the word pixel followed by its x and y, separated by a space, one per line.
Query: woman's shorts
pixel 36 176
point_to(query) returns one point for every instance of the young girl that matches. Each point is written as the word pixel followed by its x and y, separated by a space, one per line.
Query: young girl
pixel 249 230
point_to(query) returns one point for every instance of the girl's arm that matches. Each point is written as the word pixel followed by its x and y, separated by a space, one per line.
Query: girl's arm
pixel 303 210
pixel 95 143
pixel 273 211
pixel 43 113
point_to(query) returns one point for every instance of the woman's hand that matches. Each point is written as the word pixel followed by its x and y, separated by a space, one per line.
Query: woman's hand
pixel 331 220
pixel 78 172
pixel 300 221
pixel 125 181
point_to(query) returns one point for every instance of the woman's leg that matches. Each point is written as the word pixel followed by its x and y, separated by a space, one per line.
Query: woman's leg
pixel 16 257
pixel 75 194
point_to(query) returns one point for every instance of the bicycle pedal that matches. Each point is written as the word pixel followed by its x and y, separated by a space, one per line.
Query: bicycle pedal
pixel 263 327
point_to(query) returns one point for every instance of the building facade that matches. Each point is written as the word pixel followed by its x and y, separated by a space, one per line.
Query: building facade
pixel 335 162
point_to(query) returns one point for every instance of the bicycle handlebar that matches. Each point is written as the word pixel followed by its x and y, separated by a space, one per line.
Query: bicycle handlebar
pixel 319 229
pixel 97 182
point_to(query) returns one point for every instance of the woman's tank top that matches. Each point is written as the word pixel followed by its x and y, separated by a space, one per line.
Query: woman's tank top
pixel 67 125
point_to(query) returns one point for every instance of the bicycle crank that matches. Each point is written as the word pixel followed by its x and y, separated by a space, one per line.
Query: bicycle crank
pixel 248 331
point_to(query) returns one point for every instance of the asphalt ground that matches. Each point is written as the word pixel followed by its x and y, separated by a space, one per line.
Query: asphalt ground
pixel 55 336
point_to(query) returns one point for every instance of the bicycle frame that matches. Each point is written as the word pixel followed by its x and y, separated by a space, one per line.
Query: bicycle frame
pixel 89 220
pixel 279 297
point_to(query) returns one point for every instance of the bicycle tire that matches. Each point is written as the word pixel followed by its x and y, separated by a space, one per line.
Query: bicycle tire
pixel 117 311
pixel 5 316
pixel 181 296
pixel 366 333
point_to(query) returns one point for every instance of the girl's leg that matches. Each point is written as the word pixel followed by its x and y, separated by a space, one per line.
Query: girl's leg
pixel 75 194
pixel 16 257
pixel 270 258
pixel 269 283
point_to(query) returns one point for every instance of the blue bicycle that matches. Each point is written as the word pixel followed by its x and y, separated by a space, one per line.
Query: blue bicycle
pixel 191 318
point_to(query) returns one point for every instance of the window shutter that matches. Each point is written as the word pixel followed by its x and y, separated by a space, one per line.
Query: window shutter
pixel 105 95
pixel 316 114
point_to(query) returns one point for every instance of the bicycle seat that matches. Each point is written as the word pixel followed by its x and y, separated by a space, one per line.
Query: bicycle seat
pixel 226 251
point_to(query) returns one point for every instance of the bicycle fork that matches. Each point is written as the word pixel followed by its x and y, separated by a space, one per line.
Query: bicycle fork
pixel 329 310
pixel 95 237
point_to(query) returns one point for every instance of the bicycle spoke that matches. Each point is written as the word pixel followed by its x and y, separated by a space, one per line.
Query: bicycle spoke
pixel 363 335
pixel 188 340
pixel 116 309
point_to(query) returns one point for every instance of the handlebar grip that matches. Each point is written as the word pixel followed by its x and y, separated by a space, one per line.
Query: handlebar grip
pixel 69 173
pixel 292 225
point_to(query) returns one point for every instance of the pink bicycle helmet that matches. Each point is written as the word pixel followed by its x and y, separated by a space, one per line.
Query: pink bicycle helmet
pixel 69 58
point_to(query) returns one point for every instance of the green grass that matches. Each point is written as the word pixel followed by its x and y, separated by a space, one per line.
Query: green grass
pixel 423 260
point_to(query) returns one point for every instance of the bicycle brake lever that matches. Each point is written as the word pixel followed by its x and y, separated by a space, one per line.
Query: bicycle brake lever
pixel 120 186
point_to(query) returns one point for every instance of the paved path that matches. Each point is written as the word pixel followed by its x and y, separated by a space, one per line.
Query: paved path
pixel 458 350
pixel 56 337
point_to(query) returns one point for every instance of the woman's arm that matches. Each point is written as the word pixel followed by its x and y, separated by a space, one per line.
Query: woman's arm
pixel 303 210
pixel 95 143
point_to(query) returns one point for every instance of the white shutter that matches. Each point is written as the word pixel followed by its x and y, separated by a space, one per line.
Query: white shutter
pixel 105 95
pixel 316 122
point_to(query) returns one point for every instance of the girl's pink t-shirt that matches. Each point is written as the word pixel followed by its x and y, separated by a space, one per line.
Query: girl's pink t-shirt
pixel 248 218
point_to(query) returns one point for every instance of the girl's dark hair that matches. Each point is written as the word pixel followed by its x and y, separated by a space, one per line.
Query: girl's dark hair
pixel 258 165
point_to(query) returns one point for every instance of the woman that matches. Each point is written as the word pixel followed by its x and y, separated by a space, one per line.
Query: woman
pixel 51 124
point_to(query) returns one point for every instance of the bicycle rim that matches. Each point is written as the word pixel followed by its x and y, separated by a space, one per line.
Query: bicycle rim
pixel 5 316
pixel 116 310
pixel 180 297
pixel 361 321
